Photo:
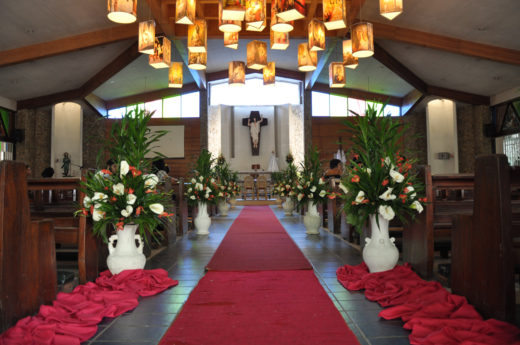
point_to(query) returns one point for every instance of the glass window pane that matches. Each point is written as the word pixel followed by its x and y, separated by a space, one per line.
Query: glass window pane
pixel 155 107
pixel 190 105
pixel 320 104
pixel 138 107
pixel 117 113
pixel 392 110
pixel 172 106
pixel 376 105
pixel 356 106
pixel 338 105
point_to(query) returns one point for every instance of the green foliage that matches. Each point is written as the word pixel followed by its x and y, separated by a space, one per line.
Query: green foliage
pixel 310 184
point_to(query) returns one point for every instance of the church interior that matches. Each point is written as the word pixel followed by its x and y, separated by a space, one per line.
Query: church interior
pixel 256 147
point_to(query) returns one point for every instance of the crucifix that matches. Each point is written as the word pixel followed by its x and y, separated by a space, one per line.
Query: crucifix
pixel 255 121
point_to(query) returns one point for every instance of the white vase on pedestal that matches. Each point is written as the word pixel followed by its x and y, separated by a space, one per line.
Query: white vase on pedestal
pixel 125 255
pixel 312 219
pixel 288 206
pixel 223 207
pixel 202 220
pixel 380 253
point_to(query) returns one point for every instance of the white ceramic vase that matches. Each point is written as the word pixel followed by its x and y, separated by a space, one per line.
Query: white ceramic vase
pixel 380 253
pixel 312 219
pixel 223 207
pixel 125 255
pixel 233 202
pixel 288 206
pixel 202 220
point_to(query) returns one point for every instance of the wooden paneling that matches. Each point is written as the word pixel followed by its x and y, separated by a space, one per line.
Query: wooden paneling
pixel 326 132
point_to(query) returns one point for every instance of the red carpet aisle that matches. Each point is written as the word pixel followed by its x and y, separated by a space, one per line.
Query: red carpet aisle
pixel 253 307
pixel 434 315
pixel 73 317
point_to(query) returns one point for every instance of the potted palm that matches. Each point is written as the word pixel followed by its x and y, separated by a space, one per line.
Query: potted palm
pixel 379 184
pixel 127 200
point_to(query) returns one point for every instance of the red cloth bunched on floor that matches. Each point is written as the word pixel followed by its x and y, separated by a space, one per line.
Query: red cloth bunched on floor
pixel 434 315
pixel 73 317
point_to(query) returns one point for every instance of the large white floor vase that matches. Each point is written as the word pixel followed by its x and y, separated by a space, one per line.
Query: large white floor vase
pixel 312 219
pixel 288 206
pixel 380 253
pixel 233 202
pixel 124 254
pixel 223 207
pixel 202 220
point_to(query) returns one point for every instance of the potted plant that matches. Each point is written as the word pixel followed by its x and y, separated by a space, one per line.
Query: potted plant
pixel 126 199
pixel 203 190
pixel 223 175
pixel 285 188
pixel 379 184
pixel 234 189
pixel 310 190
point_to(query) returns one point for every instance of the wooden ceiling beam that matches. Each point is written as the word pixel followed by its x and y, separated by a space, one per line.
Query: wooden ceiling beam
pixel 198 76
pixel 46 100
pixel 311 77
pixel 311 10
pixel 359 94
pixel 97 104
pixel 68 44
pixel 460 96
pixel 411 100
pixel 449 44
pixel 353 10
pixel 150 96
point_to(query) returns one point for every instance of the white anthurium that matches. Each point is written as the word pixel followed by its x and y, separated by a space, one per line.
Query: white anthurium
pixel 87 202
pixel 311 196
pixel 322 194
pixel 223 187
pixel 99 196
pixel 386 212
pixel 343 188
pixel 410 189
pixel 387 195
pixel 124 168
pixel 360 197
pixel 198 186
pixel 157 208
pixel 396 176
pixel 206 196
pixel 287 186
pixel 97 214
pixel 220 194
pixel 118 189
pixel 130 199
pixel 212 180
pixel 300 187
pixel 313 189
pixel 190 190
pixel 201 178
pixel 150 180
pixel 388 161
pixel 208 190
pixel 322 181
pixel 192 197
pixel 193 180
pixel 369 171
pixel 300 196
pixel 416 205
pixel 127 211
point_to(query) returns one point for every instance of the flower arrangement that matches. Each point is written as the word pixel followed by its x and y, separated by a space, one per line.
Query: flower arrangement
pixel 224 177
pixel 285 181
pixel 129 194
pixel 234 185
pixel 310 185
pixel 379 180
pixel 203 186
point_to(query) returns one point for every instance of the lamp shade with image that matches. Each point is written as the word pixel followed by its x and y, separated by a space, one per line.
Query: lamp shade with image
pixel 185 12
pixel 256 54
pixel 255 13
pixel 231 40
pixel 233 9
pixel 334 14
pixel 175 75
pixel 197 61
pixel 122 11
pixel 269 73
pixel 198 36
pixel 362 34
pixel 146 36
pixel 336 74
pixel 277 23
pixel 227 25
pixel 349 60
pixel 251 27
pixel 390 8
pixel 316 32
pixel 290 9
pixel 161 57
pixel 307 59
pixel 279 40
pixel 237 73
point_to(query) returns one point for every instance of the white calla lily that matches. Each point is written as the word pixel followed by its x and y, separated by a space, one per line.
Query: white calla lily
pixel 313 189
pixel 87 202
pixel 118 189
pixel 386 212
pixel 130 199
pixel 396 176
pixel 387 195
pixel 97 214
pixel 323 193
pixel 416 205
pixel 99 196
pixel 343 188
pixel 157 208
pixel 192 197
pixel 360 197
pixel 150 180
pixel 300 196
pixel 124 168
pixel 127 211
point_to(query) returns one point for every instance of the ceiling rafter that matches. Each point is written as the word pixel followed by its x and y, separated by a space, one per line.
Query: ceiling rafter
pixel 360 94
pixel 411 100
pixel 311 77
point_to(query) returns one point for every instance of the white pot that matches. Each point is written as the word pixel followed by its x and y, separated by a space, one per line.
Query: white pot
pixel 233 202
pixel 312 219
pixel 223 207
pixel 202 220
pixel 288 206
pixel 125 255
pixel 380 253
pixel 279 201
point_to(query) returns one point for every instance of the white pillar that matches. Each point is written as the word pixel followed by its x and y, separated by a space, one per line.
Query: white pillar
pixel 441 128
pixel 67 136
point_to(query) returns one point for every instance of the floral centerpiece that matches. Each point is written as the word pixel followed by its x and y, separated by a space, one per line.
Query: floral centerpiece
pixel 380 183
pixel 126 197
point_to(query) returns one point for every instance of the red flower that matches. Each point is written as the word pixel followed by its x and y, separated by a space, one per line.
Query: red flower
pixel 107 172
pixel 113 199
pixel 355 179
pixel 106 188
pixel 365 201
pixel 120 225
pixel 332 196
pixel 138 210
pixel 84 212
pixel 385 182
pixel 130 191
pixel 402 196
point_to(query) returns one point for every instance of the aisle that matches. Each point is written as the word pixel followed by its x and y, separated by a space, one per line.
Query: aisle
pixel 276 306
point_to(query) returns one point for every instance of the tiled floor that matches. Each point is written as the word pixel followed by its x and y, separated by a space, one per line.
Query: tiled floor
pixel 185 261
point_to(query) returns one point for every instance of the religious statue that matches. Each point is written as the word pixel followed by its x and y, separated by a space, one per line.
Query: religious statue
pixel 66 164
pixel 255 121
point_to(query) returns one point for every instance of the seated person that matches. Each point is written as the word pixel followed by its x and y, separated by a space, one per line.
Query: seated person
pixel 111 166
pixel 335 169
pixel 48 172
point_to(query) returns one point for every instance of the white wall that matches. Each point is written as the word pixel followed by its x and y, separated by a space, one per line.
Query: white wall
pixel 8 103
pixel 214 130
pixel 67 136
pixel 441 129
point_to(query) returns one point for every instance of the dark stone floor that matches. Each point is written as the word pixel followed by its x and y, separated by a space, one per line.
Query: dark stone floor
pixel 185 262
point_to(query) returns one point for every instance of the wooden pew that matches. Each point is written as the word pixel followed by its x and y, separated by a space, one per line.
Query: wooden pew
pixel 27 250
pixel 447 195
pixel 482 256
pixel 181 208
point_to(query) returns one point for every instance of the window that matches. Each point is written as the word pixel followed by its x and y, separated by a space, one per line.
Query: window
pixel 338 105
pixel 190 104
pixel 324 104
pixel 116 113
pixel 320 104
pixel 155 107
pixel 254 92
pixel 511 146
pixel 172 107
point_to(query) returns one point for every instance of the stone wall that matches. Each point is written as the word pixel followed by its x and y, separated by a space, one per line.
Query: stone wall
pixel 94 134
pixel 470 135
pixel 415 139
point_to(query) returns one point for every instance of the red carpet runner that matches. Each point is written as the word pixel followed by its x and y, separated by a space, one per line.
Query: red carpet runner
pixel 73 317
pixel 434 315
pixel 273 307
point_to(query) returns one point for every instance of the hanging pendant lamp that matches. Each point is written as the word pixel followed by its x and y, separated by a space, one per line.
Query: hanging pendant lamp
pixel 233 9
pixel 349 60
pixel 269 73
pixel 146 36
pixel 237 73
pixel 175 75
pixel 316 31
pixel 279 40
pixel 277 23
pixel 231 40
pixel 362 35
pixel 255 14
pixel 161 57
pixel 122 11
pixel 336 74
pixel 290 9
pixel 197 61
pixel 307 60
pixel 334 14
pixel 227 25
pixel 390 8
pixel 185 12
pixel 198 36
pixel 256 54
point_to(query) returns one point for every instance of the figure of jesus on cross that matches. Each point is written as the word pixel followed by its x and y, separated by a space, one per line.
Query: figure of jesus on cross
pixel 255 121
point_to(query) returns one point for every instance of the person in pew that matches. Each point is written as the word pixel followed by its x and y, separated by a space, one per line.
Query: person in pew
pixel 48 172
pixel 28 171
pixel 335 169
pixel 111 166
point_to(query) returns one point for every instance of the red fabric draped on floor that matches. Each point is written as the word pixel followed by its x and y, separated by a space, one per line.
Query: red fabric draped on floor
pixel 434 315
pixel 255 307
pixel 257 242
pixel 73 317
